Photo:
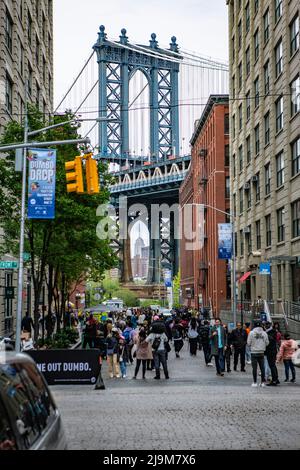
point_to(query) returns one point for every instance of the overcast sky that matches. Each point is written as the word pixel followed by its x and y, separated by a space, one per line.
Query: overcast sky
pixel 199 25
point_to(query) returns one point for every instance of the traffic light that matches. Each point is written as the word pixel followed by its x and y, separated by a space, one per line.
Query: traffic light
pixel 76 176
pixel 92 177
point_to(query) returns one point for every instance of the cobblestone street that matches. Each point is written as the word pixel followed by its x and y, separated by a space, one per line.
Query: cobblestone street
pixel 195 409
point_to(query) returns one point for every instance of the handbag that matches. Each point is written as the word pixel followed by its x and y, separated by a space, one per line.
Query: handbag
pixel 296 358
pixel 167 346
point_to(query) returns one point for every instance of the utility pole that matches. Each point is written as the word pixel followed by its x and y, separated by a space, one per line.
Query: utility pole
pixel 22 227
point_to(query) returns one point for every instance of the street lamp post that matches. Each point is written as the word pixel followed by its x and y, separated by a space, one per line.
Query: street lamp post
pixel 232 218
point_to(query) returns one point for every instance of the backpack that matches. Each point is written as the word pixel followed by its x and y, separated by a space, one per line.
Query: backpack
pixel 176 333
pixel 156 343
pixel 127 337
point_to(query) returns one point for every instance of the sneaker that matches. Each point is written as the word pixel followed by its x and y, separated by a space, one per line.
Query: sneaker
pixel 210 364
pixel 293 380
pixel 262 384
pixel 254 384
pixel 286 380
pixel 272 384
pixel 248 362
pixel 243 370
pixel 124 376
pixel 157 378
pixel 111 376
pixel 134 377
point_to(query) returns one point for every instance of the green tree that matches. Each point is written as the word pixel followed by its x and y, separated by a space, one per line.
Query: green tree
pixel 66 248
pixel 176 290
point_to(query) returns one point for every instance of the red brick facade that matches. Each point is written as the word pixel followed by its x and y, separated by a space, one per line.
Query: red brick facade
pixel 204 278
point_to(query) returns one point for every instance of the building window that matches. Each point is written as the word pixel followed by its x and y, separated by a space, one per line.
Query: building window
pixel 29 31
pixel 247 58
pixel 295 96
pixel 278 10
pixel 248 193
pixel 38 95
pixel 226 123
pixel 226 153
pixel 233 126
pixel 278 59
pixel 266 26
pixel 44 70
pixel 233 86
pixel 241 200
pixel 296 218
pixel 21 52
pixel 8 94
pixel 21 107
pixel 227 187
pixel 267 128
pixel 256 139
pixel 256 44
pixel 37 50
pixel 267 179
pixel 240 75
pixel 29 79
pixel 256 5
pixel 295 146
pixel 247 17
pixel 280 225
pixel 234 166
pixel 294 35
pixel 258 234
pixel 279 114
pixel 280 169
pixel 241 160
pixel 248 149
pixel 256 92
pixel 8 31
pixel 233 48
pixel 234 204
pixel 248 109
pixel 240 116
pixel 257 188
pixel 240 35
pixel 249 240
pixel 266 78
pixel 241 243
pixel 268 230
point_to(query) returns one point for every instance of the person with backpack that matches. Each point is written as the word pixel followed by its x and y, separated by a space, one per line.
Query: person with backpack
pixel 143 353
pixel 258 341
pixel 158 342
pixel 177 332
pixel 205 342
pixel 112 352
pixel 193 336
pixel 128 334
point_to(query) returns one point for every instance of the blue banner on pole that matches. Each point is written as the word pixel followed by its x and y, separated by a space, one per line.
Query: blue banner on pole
pixel 265 268
pixel 167 277
pixel 41 183
pixel 225 241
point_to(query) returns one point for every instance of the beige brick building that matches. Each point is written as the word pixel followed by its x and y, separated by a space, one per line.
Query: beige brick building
pixel 265 144
pixel 26 54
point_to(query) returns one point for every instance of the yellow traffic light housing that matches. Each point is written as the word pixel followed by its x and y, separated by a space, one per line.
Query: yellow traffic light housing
pixel 76 176
pixel 92 177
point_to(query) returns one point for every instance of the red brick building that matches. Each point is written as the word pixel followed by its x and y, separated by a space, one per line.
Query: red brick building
pixel 205 280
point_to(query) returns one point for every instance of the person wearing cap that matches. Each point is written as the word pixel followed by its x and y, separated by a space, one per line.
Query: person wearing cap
pixel 258 341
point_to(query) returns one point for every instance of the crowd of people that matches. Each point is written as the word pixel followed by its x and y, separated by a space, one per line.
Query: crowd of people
pixel 145 337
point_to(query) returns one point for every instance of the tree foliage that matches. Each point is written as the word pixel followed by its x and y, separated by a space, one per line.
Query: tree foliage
pixel 66 248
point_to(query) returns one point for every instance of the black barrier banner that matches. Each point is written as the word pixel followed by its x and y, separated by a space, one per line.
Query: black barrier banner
pixel 68 366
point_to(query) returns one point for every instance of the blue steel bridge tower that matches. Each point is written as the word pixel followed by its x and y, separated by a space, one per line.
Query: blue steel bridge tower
pixel 165 170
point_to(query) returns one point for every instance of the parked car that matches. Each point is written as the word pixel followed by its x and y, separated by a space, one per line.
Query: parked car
pixel 29 418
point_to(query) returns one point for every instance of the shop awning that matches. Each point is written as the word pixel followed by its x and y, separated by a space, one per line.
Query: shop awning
pixel 245 276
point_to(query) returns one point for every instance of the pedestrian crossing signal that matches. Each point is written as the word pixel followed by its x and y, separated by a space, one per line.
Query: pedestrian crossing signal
pixel 74 178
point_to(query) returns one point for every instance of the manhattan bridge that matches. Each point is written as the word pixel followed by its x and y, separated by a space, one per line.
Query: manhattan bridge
pixel 146 99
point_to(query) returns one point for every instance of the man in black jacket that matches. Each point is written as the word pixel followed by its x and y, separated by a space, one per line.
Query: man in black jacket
pixel 238 338
pixel 204 341
pixel 271 352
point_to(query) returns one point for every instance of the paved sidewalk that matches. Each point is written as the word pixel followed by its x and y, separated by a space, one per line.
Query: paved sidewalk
pixel 195 409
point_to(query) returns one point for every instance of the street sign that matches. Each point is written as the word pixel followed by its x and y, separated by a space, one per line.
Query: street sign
pixel 97 296
pixel 9 264
pixel 9 292
pixel 26 256
pixel 265 268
